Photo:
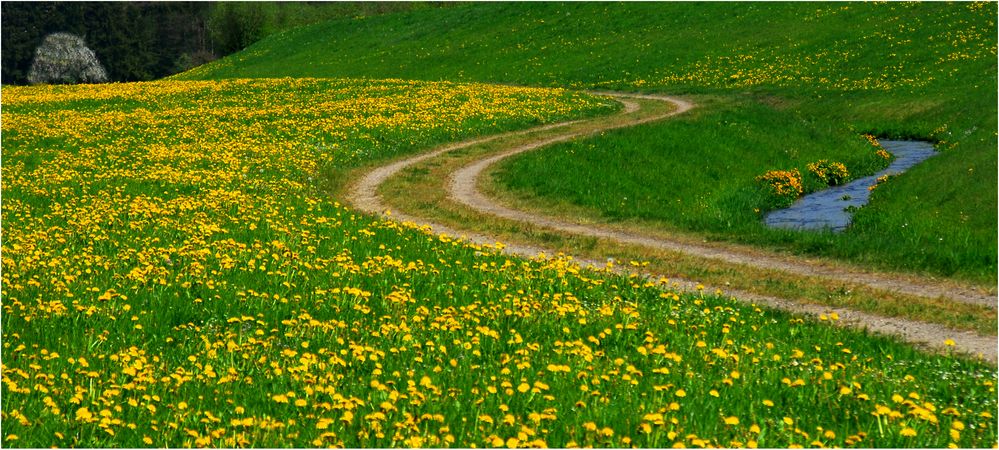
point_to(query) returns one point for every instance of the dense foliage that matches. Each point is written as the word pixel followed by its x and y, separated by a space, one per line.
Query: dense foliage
pixel 149 40
pixel 134 41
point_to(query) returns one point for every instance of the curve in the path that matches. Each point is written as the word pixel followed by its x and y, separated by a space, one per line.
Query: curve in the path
pixel 363 194
pixel 463 189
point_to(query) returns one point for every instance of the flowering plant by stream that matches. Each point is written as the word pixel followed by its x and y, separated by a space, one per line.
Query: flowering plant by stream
pixel 783 187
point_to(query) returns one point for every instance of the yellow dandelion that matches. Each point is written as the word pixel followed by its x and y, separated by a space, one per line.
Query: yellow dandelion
pixel 84 414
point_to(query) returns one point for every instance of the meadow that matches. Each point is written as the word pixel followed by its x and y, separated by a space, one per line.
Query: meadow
pixel 832 71
pixel 126 206
pixel 649 175
pixel 175 272
pixel 173 276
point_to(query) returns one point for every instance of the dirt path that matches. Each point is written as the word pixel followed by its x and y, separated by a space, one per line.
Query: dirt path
pixel 463 189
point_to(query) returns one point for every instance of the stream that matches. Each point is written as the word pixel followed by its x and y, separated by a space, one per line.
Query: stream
pixel 831 208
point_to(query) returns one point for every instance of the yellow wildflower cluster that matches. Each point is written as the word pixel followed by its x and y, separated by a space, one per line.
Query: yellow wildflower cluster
pixel 831 173
pixel 783 187
pixel 880 180
pixel 879 149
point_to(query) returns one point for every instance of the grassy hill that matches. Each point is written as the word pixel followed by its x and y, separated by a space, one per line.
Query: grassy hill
pixel 174 274
pixel 900 70
pixel 172 277
pixel 687 46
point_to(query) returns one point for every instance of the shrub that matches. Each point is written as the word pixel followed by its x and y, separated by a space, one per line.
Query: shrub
pixel 188 61
pixel 830 173
pixel 782 187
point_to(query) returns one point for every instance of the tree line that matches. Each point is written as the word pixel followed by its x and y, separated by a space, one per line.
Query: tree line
pixel 137 41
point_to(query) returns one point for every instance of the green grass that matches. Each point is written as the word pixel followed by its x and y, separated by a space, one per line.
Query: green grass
pixel 139 218
pixel 897 70
pixel 173 276
pixel 692 45
pixel 421 191
pixel 682 174
pixel 679 176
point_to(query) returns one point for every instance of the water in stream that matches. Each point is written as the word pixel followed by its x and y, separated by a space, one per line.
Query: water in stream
pixel 828 208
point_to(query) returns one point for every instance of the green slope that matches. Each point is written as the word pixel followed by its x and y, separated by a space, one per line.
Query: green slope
pixel 901 70
pixel 687 45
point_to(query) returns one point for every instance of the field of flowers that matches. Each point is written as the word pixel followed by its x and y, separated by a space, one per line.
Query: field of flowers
pixel 173 275
pixel 815 72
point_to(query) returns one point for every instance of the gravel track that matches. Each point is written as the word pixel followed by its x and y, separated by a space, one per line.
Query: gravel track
pixel 463 188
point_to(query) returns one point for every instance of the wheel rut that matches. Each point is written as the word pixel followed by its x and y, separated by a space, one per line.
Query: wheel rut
pixel 462 188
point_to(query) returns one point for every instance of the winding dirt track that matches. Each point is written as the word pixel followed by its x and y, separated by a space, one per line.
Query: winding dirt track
pixel 463 189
